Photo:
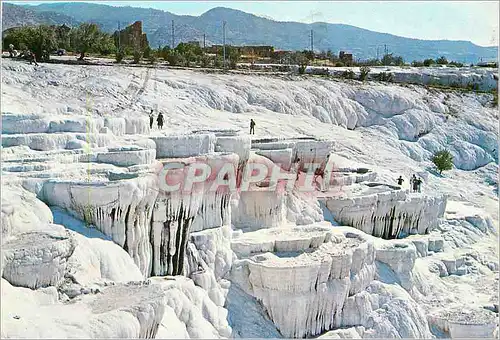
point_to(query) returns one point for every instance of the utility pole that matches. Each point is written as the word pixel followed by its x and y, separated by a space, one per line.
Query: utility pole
pixel 173 32
pixel 224 43
pixel 312 42
pixel 119 28
pixel 204 44
pixel 377 52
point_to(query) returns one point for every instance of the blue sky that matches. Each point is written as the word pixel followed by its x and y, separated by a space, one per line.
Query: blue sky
pixel 476 21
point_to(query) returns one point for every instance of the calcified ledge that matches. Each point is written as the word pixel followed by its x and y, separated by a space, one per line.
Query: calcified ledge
pixel 387 211
pixel 311 270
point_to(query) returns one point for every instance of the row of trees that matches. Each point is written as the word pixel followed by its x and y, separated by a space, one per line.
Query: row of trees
pixel 388 59
pixel 185 54
pixel 438 61
pixel 43 39
pixel 88 38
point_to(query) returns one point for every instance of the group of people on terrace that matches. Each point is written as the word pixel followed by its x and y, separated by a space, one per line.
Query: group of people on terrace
pixel 159 120
pixel 415 183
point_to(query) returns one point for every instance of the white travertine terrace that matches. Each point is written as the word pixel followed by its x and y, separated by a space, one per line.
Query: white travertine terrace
pixel 85 218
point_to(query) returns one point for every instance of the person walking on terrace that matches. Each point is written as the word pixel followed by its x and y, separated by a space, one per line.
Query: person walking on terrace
pixel 414 183
pixel 151 119
pixel 419 184
pixel 32 58
pixel 252 127
pixel 159 120
pixel 400 180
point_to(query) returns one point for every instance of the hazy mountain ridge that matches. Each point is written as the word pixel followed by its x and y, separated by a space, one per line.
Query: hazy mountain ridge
pixel 244 28
pixel 13 16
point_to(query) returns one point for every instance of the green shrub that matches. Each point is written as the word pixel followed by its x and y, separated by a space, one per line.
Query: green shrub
pixel 384 76
pixel 443 160
pixel 364 70
pixel 119 56
pixel 137 56
pixel 348 74
pixel 153 57
pixel 218 62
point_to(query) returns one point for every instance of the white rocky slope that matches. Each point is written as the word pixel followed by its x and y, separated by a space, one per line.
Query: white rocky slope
pixel 93 159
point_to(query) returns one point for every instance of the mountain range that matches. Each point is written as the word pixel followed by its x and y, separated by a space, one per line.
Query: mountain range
pixel 244 29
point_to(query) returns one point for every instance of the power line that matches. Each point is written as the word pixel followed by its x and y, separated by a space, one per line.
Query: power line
pixel 312 41
pixel 119 28
pixel 224 42
pixel 173 32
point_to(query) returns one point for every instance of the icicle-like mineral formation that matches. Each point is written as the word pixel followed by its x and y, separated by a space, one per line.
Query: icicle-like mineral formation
pixel 388 214
pixel 205 203
pixel 121 210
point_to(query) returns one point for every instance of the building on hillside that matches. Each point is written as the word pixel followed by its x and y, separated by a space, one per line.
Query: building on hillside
pixel 258 51
pixel 131 37
pixel 346 58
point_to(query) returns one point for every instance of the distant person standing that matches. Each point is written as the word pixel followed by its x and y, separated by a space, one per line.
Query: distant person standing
pixel 419 184
pixel 32 58
pixel 414 183
pixel 252 127
pixel 11 50
pixel 296 168
pixel 151 119
pixel 400 180
pixel 159 120
pixel 325 183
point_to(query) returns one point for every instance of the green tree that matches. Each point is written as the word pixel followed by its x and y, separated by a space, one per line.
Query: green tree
pixel 429 62
pixel 35 38
pixel 146 53
pixel 455 63
pixel 22 38
pixel 443 160
pixel 185 48
pixel 205 61
pixel 234 57
pixel 137 56
pixel 218 61
pixel 384 76
pixel 153 56
pixel 63 37
pixel 164 52
pixel 309 54
pixel 390 59
pixel 302 61
pixel 348 74
pixel 189 58
pixel 364 70
pixel 174 58
pixel 387 59
pixel 107 45
pixel 88 38
pixel 441 61
pixel 398 61
pixel 119 55
pixel 329 55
